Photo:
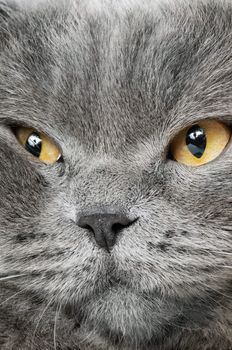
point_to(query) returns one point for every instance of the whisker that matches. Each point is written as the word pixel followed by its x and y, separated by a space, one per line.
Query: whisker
pixel 41 316
pixel 55 325
pixel 214 289
pixel 7 278
pixel 14 295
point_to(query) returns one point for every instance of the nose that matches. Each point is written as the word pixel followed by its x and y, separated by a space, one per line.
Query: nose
pixel 105 226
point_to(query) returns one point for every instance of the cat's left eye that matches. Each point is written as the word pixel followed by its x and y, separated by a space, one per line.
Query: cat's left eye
pixel 38 144
pixel 200 143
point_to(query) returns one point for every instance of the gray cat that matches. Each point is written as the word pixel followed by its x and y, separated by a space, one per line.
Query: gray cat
pixel 115 175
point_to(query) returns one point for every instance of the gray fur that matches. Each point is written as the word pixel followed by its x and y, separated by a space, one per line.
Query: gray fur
pixel 112 82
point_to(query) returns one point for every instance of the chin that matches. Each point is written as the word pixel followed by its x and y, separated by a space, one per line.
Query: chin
pixel 122 318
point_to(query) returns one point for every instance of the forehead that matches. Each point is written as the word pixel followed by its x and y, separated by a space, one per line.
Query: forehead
pixel 118 74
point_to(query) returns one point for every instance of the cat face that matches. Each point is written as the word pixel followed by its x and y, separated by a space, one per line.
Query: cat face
pixel 112 87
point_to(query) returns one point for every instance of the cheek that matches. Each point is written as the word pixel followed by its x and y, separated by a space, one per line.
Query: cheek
pixel 21 193
pixel 210 200
pixel 20 186
pixel 204 194
pixel 167 247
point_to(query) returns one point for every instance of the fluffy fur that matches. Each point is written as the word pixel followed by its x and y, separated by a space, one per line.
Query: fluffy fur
pixel 112 82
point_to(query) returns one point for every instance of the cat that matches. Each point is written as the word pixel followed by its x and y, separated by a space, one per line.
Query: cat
pixel 111 240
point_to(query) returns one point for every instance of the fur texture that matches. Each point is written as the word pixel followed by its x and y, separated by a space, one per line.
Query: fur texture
pixel 112 82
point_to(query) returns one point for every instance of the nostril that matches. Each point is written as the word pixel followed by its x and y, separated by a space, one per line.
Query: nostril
pixel 87 227
pixel 118 227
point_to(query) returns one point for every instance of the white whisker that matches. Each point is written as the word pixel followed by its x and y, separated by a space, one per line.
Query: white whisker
pixel 37 325
pixel 6 278
pixel 14 295
pixel 55 325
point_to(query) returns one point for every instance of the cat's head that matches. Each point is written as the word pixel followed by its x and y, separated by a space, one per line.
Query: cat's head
pixel 116 228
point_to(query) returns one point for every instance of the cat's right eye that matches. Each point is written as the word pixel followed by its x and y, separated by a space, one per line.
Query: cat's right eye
pixel 38 144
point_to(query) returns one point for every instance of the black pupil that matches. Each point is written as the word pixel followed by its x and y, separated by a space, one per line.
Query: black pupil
pixel 34 144
pixel 196 141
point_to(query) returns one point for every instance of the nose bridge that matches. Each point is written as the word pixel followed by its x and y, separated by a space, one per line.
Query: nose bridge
pixel 108 166
pixel 106 182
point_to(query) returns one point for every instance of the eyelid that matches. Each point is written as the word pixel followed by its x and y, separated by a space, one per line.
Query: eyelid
pixel 197 121
pixel 37 129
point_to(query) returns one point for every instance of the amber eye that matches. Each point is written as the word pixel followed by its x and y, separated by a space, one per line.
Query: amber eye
pixel 200 143
pixel 39 145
